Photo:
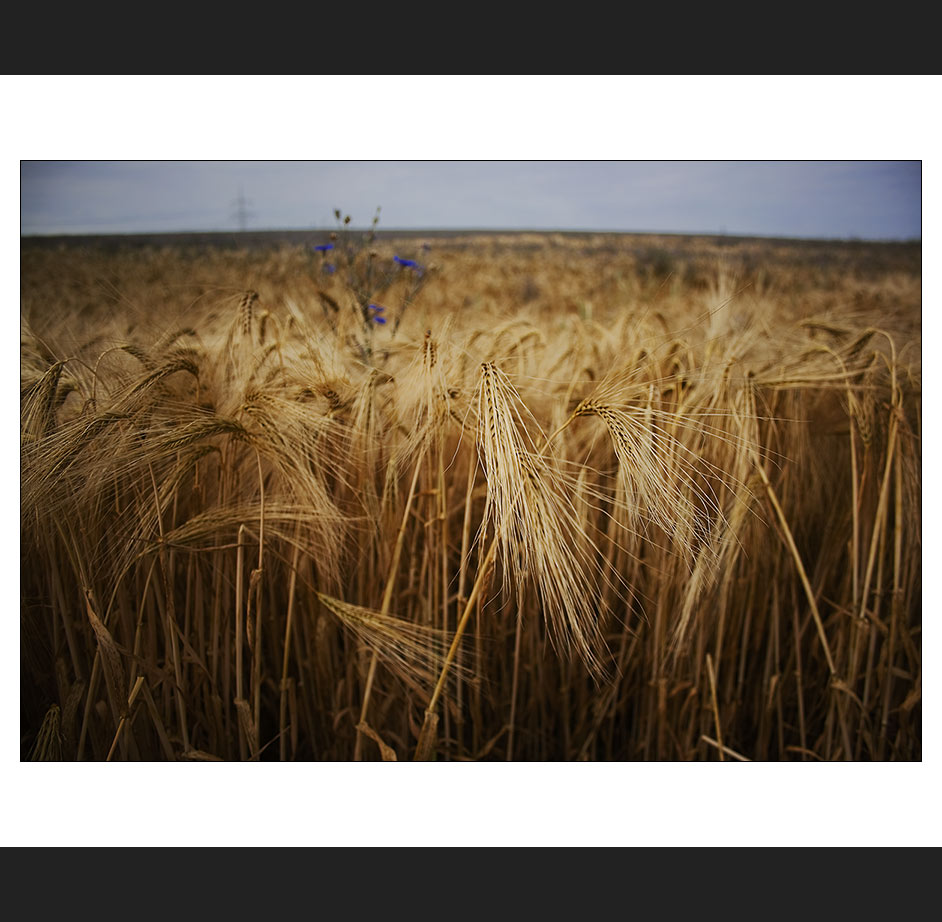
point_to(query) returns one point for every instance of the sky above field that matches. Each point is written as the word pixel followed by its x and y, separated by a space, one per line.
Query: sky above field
pixel 863 199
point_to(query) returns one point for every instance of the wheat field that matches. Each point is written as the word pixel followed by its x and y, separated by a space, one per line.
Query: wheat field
pixel 523 497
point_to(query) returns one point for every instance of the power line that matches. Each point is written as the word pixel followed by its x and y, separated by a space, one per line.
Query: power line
pixel 243 211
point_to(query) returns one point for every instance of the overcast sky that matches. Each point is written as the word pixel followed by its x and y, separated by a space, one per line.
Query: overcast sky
pixel 833 199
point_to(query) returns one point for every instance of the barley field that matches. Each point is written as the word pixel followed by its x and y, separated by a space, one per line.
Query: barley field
pixel 520 497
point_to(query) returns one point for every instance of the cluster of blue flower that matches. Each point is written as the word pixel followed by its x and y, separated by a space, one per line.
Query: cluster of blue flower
pixel 376 310
pixel 410 264
pixel 376 313
pixel 328 268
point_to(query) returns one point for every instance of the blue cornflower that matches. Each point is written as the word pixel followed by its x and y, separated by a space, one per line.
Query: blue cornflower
pixel 406 263
pixel 323 248
pixel 377 310
pixel 329 268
